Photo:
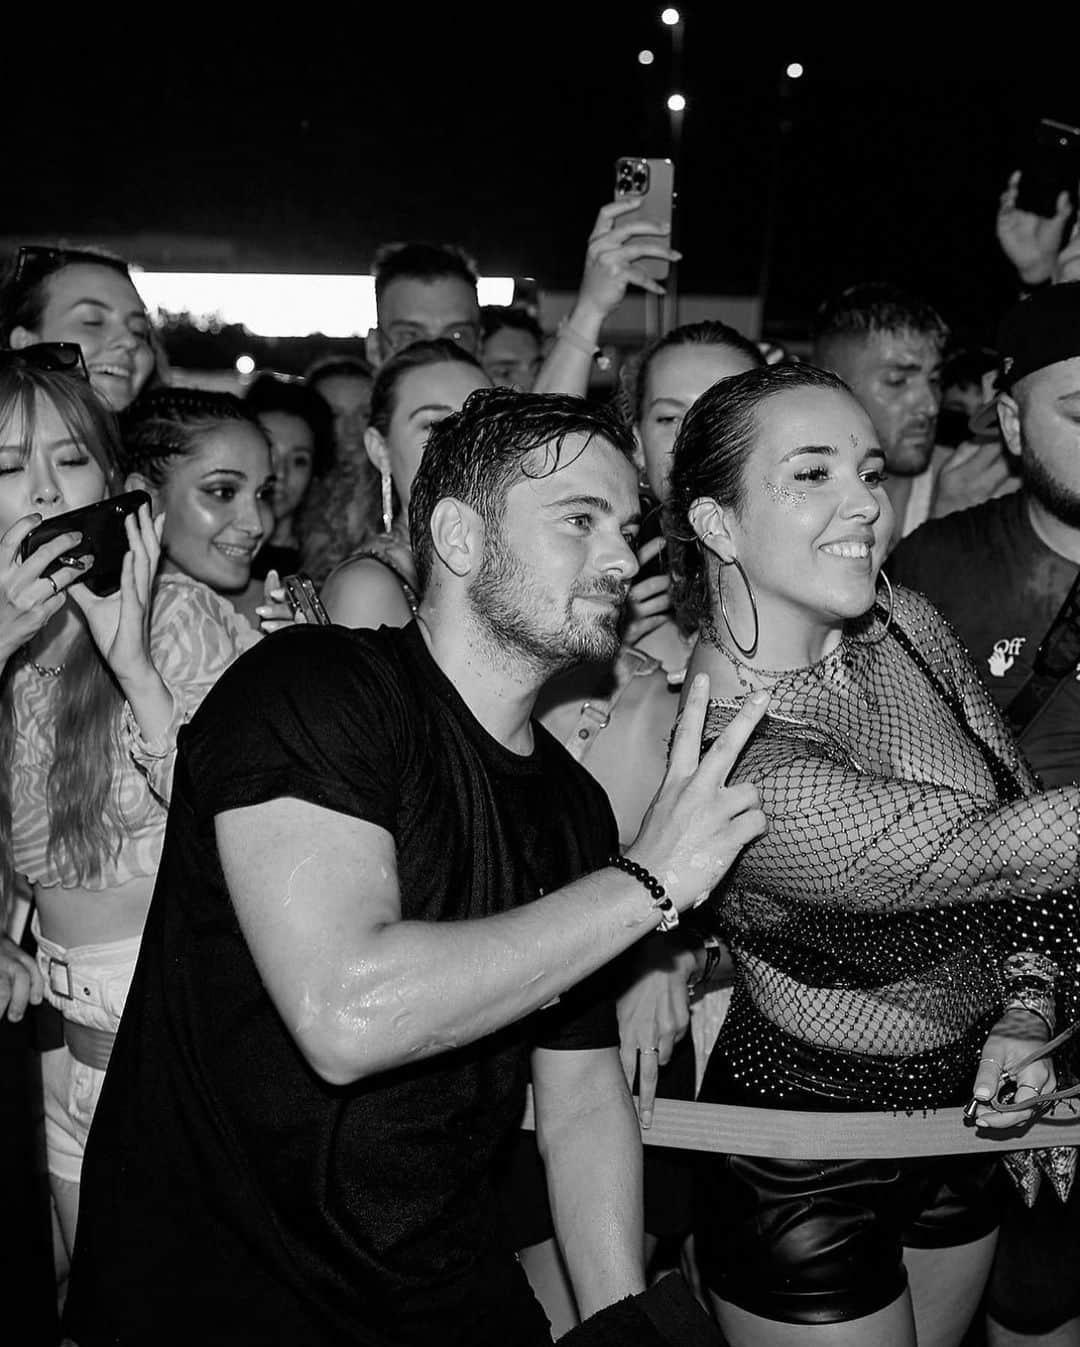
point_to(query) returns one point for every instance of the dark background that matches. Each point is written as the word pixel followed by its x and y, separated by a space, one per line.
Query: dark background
pixel 305 141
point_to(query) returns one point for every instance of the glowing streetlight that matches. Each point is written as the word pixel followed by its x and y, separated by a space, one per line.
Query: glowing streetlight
pixel 676 103
pixel 645 57
pixel 794 71
pixel 245 364
pixel 671 17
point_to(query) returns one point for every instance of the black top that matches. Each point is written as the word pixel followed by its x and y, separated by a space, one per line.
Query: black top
pixel 999 585
pixel 224 1178
pixel 283 558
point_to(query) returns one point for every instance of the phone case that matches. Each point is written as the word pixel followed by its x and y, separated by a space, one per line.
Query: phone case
pixel 303 597
pixel 103 537
pixel 1051 166
pixel 652 181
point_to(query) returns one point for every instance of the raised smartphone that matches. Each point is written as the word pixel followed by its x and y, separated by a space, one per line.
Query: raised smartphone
pixel 1050 166
pixel 303 597
pixel 652 183
pixel 103 537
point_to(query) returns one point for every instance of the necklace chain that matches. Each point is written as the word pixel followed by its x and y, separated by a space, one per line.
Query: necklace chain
pixel 46 670
pixel 839 661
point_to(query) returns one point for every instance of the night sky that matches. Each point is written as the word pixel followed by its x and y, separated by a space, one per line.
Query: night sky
pixel 306 147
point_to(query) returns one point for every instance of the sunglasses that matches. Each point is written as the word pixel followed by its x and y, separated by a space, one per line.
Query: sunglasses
pixel 35 261
pixel 57 357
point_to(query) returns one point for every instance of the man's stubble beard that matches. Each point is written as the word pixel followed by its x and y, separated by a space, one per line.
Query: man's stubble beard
pixel 499 598
pixel 1053 495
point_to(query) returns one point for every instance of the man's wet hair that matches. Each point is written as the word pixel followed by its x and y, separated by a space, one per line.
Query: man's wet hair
pixel 478 453
pixel 421 262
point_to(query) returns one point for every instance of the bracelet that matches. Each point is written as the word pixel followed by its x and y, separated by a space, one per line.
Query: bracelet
pixel 1038 1003
pixel 564 332
pixel 1028 964
pixel 714 953
pixel 669 913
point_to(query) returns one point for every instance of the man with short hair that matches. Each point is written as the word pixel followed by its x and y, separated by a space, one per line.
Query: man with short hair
pixel 513 348
pixel 423 291
pixel 1007 576
pixel 385 895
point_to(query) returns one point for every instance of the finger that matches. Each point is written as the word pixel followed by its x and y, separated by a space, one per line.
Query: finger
pixel 48 554
pixel 16 980
pixel 647 1078
pixel 988 1076
pixel 12 539
pixel 686 742
pixel 628 1057
pixel 651 549
pixel 609 213
pixel 647 591
pixel 644 282
pixel 721 757
pixel 634 250
pixel 1064 206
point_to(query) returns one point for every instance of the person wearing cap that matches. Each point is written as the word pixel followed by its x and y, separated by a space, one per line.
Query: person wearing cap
pixel 1005 574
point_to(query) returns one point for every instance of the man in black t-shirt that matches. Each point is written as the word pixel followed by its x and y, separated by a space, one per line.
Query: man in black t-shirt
pixel 386 893
pixel 1001 573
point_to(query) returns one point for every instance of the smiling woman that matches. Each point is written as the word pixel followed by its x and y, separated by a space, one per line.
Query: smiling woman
pixel 53 293
pixel 872 967
pixel 206 463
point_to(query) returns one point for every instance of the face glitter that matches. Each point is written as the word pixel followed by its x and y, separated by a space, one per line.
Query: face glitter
pixel 783 495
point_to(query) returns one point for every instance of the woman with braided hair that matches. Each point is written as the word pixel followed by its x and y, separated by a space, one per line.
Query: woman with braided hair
pixel 897 932
pixel 94 690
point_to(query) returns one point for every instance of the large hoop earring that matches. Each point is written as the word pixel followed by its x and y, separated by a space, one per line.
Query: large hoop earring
pixel 387 502
pixel 889 614
pixel 750 650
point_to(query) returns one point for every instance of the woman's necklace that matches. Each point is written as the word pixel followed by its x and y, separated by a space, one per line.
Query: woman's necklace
pixel 46 670
pixel 837 667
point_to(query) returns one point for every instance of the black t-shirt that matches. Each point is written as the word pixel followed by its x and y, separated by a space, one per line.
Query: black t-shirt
pixel 223 1177
pixel 997 582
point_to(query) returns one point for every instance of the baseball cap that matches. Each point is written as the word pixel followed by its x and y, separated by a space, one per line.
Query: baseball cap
pixel 1039 331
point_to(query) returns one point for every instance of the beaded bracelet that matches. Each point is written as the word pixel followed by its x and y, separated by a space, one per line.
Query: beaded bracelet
pixel 669 913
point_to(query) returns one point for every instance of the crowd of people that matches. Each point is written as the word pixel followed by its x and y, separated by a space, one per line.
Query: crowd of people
pixel 717 739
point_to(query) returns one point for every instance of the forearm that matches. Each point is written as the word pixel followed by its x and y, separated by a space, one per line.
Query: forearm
pixel 151 702
pixel 594 1174
pixel 416 989
pixel 569 363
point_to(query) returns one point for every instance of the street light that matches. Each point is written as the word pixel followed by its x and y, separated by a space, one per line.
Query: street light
pixel 671 17
pixel 645 57
pixel 794 71
pixel 676 103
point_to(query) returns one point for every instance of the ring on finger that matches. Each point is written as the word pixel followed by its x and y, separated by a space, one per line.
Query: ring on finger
pixel 52 582
pixel 643 1051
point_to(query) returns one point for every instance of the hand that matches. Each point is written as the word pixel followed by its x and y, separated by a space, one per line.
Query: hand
pixel 21 983
pixel 654 1014
pixel 649 601
pixel 275 612
pixel 1067 266
pixel 612 258
pixel 972 473
pixel 27 599
pixel 697 825
pixel 120 622
pixel 1017 1034
pixel 1031 242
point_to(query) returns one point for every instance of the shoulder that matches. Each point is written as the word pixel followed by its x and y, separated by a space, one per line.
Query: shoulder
pixel 180 600
pixel 961 538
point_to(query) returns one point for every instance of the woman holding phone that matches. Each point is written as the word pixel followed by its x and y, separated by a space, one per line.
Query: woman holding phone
pixel 93 690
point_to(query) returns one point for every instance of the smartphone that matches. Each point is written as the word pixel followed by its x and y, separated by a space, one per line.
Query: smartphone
pixel 1050 166
pixel 303 597
pixel 103 537
pixel 652 183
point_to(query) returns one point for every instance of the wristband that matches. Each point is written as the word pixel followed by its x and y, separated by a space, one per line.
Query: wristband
pixel 1037 1003
pixel 669 913
pixel 564 332
pixel 1027 964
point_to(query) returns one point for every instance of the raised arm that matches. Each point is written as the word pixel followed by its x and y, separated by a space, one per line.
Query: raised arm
pixel 611 259
pixel 316 894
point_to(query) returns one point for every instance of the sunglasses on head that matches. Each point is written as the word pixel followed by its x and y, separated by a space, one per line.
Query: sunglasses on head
pixel 58 357
pixel 37 260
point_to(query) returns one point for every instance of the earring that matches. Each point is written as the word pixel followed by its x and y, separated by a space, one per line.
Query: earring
pixel 387 502
pixel 747 651
pixel 888 614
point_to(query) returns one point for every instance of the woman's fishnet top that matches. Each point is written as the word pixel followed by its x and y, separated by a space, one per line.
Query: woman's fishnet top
pixel 909 848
